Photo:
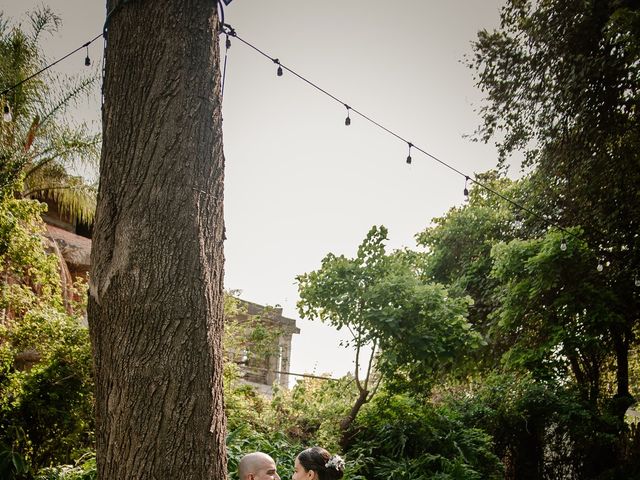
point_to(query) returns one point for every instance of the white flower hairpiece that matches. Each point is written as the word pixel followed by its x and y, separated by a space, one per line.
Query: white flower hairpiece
pixel 336 462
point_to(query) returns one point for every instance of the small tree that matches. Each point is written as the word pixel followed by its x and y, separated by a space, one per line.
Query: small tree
pixel 414 329
pixel 41 144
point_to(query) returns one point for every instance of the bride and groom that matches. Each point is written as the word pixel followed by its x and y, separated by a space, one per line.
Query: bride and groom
pixel 314 463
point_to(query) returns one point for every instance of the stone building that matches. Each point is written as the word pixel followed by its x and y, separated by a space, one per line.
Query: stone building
pixel 263 371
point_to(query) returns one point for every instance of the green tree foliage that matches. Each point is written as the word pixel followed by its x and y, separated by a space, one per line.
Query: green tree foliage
pixel 562 79
pixel 458 253
pixel 46 386
pixel 311 411
pixel 400 437
pixel 415 329
pixel 83 469
pixel 42 143
pixel 555 309
pixel 550 325
pixel 541 429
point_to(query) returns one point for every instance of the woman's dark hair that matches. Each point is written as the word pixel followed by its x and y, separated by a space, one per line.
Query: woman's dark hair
pixel 316 459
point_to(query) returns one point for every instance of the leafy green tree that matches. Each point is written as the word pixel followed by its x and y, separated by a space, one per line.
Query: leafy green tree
pixel 562 84
pixel 46 384
pixel 549 319
pixel 414 329
pixel 311 411
pixel 556 310
pixel 458 253
pixel 41 144
pixel 540 428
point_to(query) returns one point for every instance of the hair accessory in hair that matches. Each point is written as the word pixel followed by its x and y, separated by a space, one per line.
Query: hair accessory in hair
pixel 336 462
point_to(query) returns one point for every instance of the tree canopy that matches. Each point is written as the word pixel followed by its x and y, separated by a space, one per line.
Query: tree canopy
pixel 43 144
pixel 562 84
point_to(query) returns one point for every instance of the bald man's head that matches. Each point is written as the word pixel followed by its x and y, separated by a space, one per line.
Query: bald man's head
pixel 257 466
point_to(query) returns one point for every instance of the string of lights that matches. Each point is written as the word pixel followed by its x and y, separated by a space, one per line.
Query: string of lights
pixel 229 33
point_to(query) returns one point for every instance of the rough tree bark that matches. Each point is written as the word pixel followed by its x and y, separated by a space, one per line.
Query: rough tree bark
pixel 155 300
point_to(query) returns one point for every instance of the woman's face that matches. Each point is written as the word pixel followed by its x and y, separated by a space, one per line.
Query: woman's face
pixel 299 473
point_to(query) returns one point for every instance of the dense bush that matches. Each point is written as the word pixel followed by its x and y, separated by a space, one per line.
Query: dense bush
pixel 46 385
pixel 46 413
pixel 84 469
pixel 545 430
pixel 399 437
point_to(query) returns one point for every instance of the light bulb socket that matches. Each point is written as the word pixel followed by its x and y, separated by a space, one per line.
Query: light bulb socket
pixel 87 61
pixel 409 144
pixel 465 192
pixel 347 121
pixel 228 43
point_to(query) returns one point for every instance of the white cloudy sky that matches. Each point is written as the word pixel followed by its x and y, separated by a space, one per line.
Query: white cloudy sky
pixel 299 183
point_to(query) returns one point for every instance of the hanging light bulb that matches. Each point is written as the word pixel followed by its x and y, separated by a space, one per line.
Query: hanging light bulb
pixel 6 113
pixel 563 245
pixel 600 267
pixel 227 43
pixel 409 156
pixel 465 192
pixel 87 60
pixel 637 282
pixel 347 121
pixel 277 62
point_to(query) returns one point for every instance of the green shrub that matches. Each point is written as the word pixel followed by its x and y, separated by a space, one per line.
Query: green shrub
pixel 398 437
pixel 84 469
pixel 242 440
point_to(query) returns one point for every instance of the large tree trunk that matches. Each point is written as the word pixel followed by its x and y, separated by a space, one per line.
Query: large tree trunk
pixel 155 300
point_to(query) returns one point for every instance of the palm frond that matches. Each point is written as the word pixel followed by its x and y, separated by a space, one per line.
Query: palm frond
pixel 77 149
pixel 31 134
pixel 4 25
pixel 43 20
pixel 77 202
pixel 70 91
pixel 74 197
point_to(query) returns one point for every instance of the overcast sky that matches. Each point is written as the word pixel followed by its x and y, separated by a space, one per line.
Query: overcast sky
pixel 299 183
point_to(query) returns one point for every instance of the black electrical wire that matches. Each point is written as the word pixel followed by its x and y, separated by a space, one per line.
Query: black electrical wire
pixel 230 31
pixel 13 87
